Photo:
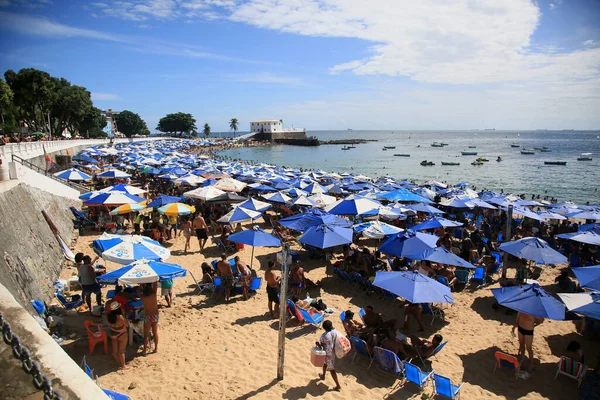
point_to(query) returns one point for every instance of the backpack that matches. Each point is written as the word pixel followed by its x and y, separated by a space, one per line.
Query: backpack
pixel 342 345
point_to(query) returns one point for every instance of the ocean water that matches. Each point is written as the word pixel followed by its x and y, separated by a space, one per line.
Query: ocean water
pixel 577 181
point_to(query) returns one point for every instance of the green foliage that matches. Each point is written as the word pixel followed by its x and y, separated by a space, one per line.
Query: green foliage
pixel 178 123
pixel 233 124
pixel 130 123
pixel 92 124
pixel 206 130
pixel 7 118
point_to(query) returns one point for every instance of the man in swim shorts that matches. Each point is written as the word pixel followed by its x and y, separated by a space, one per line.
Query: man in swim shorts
pixel 525 324
pixel 147 293
pixel 272 289
pixel 201 230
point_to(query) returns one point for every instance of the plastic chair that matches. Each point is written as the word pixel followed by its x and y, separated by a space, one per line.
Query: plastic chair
pixel 255 284
pixel 96 334
pixel 413 374
pixel 444 386
pixel 462 276
pixel 361 314
pixel 361 348
pixel 507 361
pixel 571 368
pixel 443 280
pixel 293 311
pixel 434 354
pixel 346 277
pixel 479 275
pixel 343 316
pixel 70 303
pixel 387 360
pixel 216 285
pixel 500 237
pixel 360 283
pixel 314 319
pixel 434 311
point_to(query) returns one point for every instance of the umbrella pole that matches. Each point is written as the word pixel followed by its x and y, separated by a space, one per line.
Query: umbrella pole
pixel 507 238
pixel 252 257
pixel 282 310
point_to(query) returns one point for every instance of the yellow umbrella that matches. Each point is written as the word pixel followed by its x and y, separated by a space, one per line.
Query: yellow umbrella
pixel 126 209
pixel 176 209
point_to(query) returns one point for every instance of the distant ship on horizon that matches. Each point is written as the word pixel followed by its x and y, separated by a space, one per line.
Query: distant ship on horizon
pixel 489 129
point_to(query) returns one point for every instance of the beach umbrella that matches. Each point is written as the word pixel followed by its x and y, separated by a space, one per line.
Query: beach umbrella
pixel 587 304
pixel 526 212
pixel 191 179
pixel 376 229
pixel 174 209
pixel 204 193
pixel 124 249
pixel 239 214
pixel 530 299
pixel 462 184
pixel 436 222
pixel 227 197
pixel 389 213
pixel 355 205
pixel 584 215
pixel 295 192
pixel 587 237
pixel 142 271
pixel 550 215
pixel 163 200
pixel 255 205
pixel 403 195
pixel 413 287
pixel 113 199
pixel 322 199
pixel 255 237
pixel 325 236
pixel 588 277
pixel 594 227
pixel 86 159
pixel 262 188
pixel 534 249
pixel 425 208
pixel 121 187
pixel 126 209
pixel 301 222
pixel 315 188
pixel 230 185
pixel 276 197
pixel 304 201
pixel 73 174
pixel 113 174
pixel 442 255
pixel 409 244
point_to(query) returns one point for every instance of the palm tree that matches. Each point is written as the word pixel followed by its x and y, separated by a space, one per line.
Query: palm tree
pixel 206 130
pixel 233 124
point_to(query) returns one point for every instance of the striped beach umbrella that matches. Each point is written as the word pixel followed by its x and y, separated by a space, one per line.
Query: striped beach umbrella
pixel 113 174
pixel 126 209
pixel 125 249
pixel 176 209
pixel 73 174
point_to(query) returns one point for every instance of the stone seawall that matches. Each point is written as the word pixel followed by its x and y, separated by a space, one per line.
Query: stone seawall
pixel 30 256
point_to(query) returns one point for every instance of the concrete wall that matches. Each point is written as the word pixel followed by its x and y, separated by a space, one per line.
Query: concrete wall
pixel 66 376
pixel 30 256
pixel 289 135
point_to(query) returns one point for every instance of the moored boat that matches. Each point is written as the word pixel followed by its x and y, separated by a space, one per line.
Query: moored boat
pixel 402 155
pixel 427 163
pixel 482 159
pixel 527 151
pixel 515 145
pixel 468 153
pixel 472 147
pixel 389 147
pixel 450 163
pixel 555 162
pixel 436 144
pixel 585 157
pixel 476 163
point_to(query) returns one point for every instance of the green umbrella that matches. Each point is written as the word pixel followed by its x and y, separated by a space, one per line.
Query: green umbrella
pixel 38 134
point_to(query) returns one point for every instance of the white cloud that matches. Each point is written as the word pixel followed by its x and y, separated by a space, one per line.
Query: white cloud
pixel 142 10
pixel 98 96
pixel 589 42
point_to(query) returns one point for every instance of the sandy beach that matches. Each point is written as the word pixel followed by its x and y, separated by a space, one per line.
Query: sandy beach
pixel 210 349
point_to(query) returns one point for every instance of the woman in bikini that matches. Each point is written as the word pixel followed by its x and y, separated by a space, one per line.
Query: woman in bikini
pixel 118 325
pixel 187 233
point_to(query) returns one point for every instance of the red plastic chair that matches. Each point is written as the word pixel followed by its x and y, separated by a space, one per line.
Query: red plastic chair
pixel 96 334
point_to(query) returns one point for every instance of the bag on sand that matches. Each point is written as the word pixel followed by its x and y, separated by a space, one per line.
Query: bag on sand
pixel 342 345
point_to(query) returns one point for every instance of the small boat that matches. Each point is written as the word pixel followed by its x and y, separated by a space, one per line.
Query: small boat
pixel 472 147
pixel 351 147
pixel 515 145
pixel 555 162
pixel 436 144
pixel 426 163
pixel 402 155
pixel 468 153
pixel 527 152
pixel 450 163
pixel 476 163
pixel 482 159
pixel 345 148
pixel 389 147
pixel 545 150
pixel 384 149
pixel 499 159
pixel 585 157
pixel 444 144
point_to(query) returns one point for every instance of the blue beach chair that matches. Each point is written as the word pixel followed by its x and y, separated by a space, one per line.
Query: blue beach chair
pixel 413 374
pixel 479 275
pixel 216 285
pixel 343 316
pixel 71 303
pixel 445 387
pixel 255 284
pixel 462 276
pixel 436 312
pixel 361 348
pixel 315 319
pixel 361 314
pixel 388 361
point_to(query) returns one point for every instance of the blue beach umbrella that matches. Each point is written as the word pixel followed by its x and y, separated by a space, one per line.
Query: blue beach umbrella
pixel 409 244
pixel 425 208
pixel 124 249
pixel 355 205
pixel 86 159
pixel 142 271
pixel 588 277
pixel 530 299
pixel 442 255
pixel 325 236
pixel 376 229
pixel 112 199
pixel 413 287
pixel 436 222
pixel 584 215
pixel 113 174
pixel 587 304
pixel 162 200
pixel 255 237
pixel 534 249
pixel 277 197
pixel 315 188
pixel 239 214
pixel 73 174
pixel 256 205
pixel 304 202
pixel 403 195
pixel 588 237
pixel 301 222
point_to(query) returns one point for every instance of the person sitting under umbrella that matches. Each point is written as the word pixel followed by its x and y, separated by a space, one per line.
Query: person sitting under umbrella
pixel 415 310
pixel 375 320
pixel 447 272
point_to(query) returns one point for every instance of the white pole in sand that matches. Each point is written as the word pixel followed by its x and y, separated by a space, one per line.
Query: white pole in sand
pixel 507 236
pixel 282 309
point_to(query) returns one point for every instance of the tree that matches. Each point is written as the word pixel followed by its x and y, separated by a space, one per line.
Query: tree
pixel 178 123
pixel 206 130
pixel 130 123
pixel 92 124
pixel 6 108
pixel 233 124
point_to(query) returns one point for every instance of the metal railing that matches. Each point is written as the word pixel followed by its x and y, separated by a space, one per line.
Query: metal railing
pixel 28 164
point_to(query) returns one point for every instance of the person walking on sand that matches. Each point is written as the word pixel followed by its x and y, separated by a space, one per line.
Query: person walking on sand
pixel 272 288
pixel 166 290
pixel 525 324
pixel 187 233
pixel 327 344
pixel 201 230
pixel 147 293
pixel 226 274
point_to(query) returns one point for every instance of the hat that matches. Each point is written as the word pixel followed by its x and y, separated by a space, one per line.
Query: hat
pixel 115 305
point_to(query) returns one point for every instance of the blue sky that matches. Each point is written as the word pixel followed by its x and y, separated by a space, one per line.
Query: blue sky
pixel 322 64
